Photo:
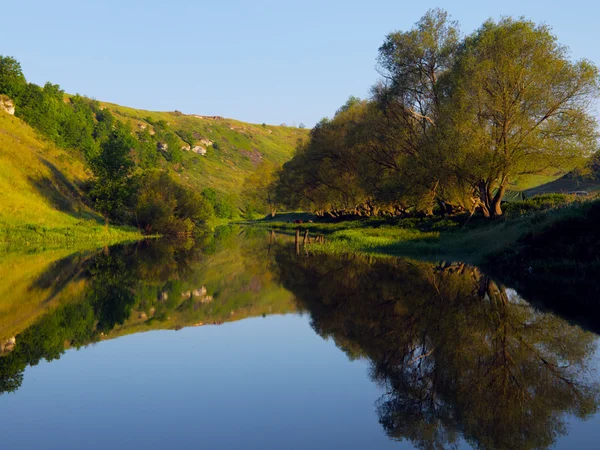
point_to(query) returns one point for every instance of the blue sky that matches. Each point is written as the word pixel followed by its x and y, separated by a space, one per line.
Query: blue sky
pixel 261 61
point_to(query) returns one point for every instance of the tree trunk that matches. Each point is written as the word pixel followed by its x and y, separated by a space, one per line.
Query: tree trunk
pixel 490 205
pixel 497 201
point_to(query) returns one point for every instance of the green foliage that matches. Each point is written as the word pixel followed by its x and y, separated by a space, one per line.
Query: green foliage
pixel 260 190
pixel 112 168
pixel 164 206
pixel 456 122
pixel 12 80
pixel 538 203
pixel 222 204
pixel 517 105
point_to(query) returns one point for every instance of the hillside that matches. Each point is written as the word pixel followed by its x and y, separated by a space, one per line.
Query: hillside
pixel 233 148
pixel 43 180
pixel 571 182
pixel 41 191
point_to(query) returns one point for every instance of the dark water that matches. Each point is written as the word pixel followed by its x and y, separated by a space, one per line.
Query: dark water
pixel 236 341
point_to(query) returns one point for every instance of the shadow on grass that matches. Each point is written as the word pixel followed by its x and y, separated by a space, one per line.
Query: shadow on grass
pixel 61 193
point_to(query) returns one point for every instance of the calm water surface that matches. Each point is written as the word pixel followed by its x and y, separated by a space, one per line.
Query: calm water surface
pixel 237 341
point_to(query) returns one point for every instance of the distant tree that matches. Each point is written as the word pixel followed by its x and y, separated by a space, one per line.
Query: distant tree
pixel 260 189
pixel 223 205
pixel 301 126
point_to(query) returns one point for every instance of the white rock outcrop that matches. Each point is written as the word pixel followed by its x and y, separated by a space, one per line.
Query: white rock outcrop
pixel 7 105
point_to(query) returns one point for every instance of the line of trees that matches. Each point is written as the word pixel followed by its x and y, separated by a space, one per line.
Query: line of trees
pixel 452 122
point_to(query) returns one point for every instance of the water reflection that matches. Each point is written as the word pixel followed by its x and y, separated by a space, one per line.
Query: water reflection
pixel 458 355
pixel 127 289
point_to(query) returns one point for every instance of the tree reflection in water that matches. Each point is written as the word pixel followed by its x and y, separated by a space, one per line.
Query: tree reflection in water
pixel 457 354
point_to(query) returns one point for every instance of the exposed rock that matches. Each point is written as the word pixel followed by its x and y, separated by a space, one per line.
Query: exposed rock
pixel 186 148
pixel 142 126
pixel 6 104
pixel 199 150
pixel 200 292
pixel 254 155
pixel 8 345
pixel 206 142
pixel 197 116
pixel 162 146
pixel 142 315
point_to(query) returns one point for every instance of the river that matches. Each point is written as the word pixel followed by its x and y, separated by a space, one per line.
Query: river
pixel 239 341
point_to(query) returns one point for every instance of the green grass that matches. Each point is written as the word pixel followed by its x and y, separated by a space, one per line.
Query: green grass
pixel 42 203
pixel 456 238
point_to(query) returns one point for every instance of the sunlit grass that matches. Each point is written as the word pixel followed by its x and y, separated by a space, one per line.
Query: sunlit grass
pixel 41 204
pixel 434 240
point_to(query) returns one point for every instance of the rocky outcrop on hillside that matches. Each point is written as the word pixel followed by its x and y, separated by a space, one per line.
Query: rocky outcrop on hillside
pixel 7 105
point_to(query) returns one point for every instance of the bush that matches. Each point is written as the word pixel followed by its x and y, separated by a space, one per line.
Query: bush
pixel 223 205
pixel 537 203
pixel 164 206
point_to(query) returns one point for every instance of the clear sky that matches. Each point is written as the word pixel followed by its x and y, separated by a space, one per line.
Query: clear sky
pixel 260 61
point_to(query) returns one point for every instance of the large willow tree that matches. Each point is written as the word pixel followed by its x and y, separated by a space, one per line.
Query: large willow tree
pixel 517 106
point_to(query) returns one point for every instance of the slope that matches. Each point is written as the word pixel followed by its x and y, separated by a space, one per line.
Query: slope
pixel 41 196
pixel 233 148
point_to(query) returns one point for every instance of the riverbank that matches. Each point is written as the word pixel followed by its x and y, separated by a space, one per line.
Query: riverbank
pixel 474 240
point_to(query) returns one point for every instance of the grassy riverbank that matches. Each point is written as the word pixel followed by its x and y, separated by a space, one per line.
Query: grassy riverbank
pixel 470 239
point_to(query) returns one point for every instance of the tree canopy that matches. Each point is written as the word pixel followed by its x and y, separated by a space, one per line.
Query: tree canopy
pixel 453 121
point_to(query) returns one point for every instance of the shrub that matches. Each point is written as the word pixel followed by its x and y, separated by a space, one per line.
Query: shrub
pixel 165 206
pixel 537 203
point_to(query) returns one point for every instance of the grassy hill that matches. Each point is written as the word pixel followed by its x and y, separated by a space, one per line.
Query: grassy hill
pixel 237 148
pixel 43 200
pixel 571 182
pixel 41 194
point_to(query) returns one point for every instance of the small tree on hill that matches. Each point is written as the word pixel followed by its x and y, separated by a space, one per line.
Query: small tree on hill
pixel 112 169
pixel 12 80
